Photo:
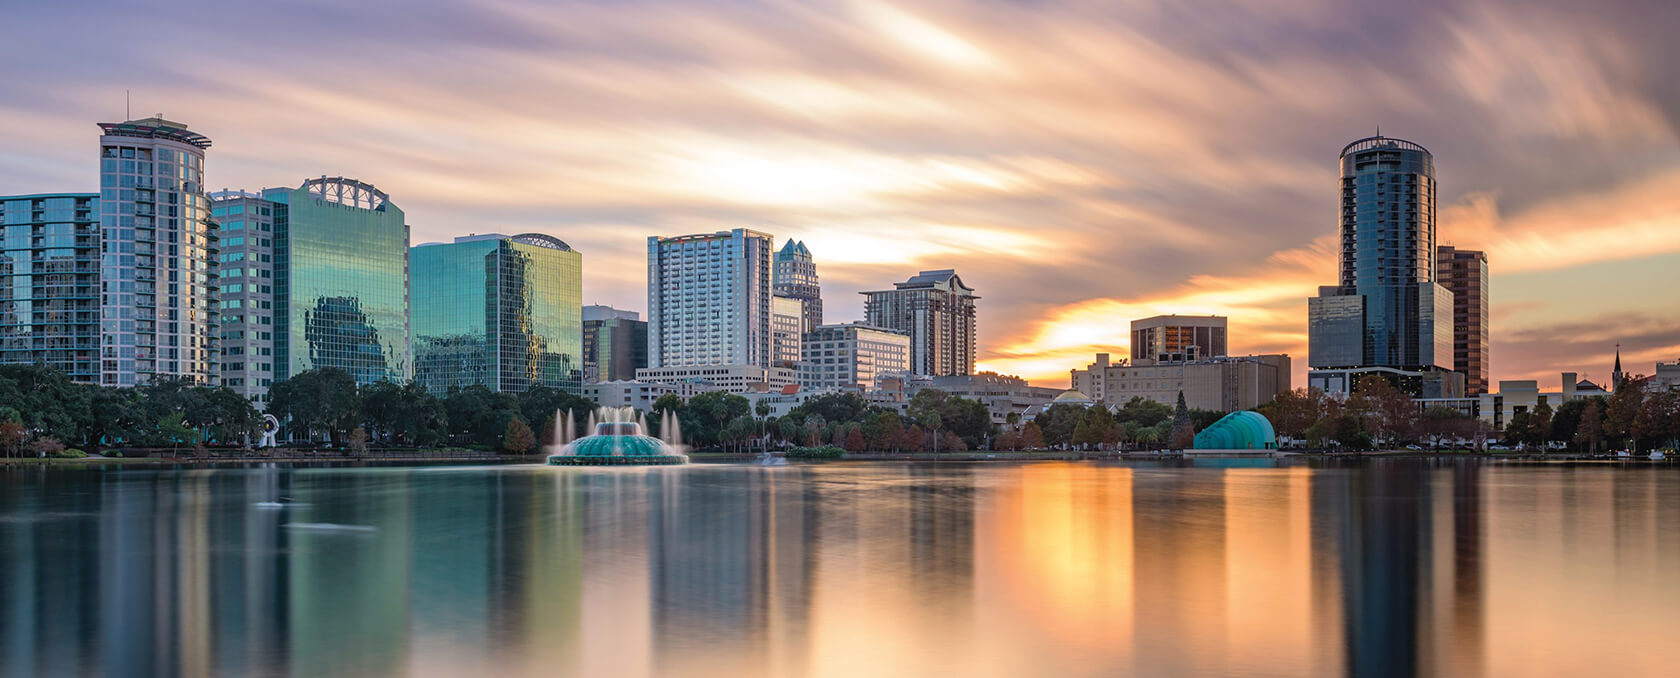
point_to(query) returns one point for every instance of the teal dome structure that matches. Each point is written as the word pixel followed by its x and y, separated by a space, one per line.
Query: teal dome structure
pixel 1245 430
pixel 616 444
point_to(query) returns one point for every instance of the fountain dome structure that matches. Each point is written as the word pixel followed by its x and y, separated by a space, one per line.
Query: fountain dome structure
pixel 617 443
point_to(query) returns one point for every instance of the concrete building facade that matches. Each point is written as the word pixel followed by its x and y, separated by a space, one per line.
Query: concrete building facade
pixel 1178 337
pixel 709 300
pixel 937 311
pixel 1465 274
pixel 852 355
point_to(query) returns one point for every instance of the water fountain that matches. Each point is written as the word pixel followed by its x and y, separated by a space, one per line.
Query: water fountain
pixel 617 439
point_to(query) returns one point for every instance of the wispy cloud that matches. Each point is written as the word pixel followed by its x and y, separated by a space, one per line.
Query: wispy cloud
pixel 1081 163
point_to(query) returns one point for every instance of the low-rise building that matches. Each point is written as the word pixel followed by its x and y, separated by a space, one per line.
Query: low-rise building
pixel 640 394
pixel 1224 384
pixel 1002 394
pixel 1667 376
pixel 1524 395
pixel 852 355
pixel 731 378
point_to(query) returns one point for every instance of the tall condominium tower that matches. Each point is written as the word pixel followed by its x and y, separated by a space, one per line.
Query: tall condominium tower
pixel 1178 337
pixel 615 344
pixel 796 277
pixel 937 310
pixel 504 312
pixel 1465 274
pixel 245 294
pixel 49 282
pixel 709 299
pixel 1387 314
pixel 157 272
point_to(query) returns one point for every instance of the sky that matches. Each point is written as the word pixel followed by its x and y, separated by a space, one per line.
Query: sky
pixel 1081 164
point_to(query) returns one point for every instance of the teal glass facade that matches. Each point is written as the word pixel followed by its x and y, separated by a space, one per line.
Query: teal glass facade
pixel 49 282
pixel 341 281
pixel 504 312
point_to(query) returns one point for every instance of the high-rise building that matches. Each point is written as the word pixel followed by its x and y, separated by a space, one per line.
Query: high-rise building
pixel 937 310
pixel 158 270
pixel 1178 337
pixel 853 355
pixel 709 299
pixel 615 344
pixel 245 294
pixel 796 278
pixel 340 281
pixel 49 282
pixel 503 312
pixel 1387 315
pixel 1465 274
pixel 786 328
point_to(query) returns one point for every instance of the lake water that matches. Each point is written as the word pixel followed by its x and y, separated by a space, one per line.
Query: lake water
pixel 854 569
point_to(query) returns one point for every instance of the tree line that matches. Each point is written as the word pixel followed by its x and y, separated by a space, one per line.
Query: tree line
pixel 42 410
pixel 1379 415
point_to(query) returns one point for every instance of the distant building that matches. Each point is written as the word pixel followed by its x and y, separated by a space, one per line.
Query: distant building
pixel 731 378
pixel 709 300
pixel 615 344
pixel 340 281
pixel 787 330
pixel 1524 395
pixel 246 294
pixel 158 317
pixel 1002 394
pixel 1222 384
pixel 937 311
pixel 796 278
pixel 640 394
pixel 1465 274
pixel 1090 380
pixel 49 283
pixel 1388 315
pixel 853 355
pixel 503 312
pixel 1667 376
pixel 1178 337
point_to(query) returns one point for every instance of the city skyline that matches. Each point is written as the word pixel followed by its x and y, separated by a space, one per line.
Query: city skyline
pixel 1083 168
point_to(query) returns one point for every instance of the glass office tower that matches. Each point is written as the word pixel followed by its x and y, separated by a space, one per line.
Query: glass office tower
pixel 157 272
pixel 340 281
pixel 1387 310
pixel 505 312
pixel 49 282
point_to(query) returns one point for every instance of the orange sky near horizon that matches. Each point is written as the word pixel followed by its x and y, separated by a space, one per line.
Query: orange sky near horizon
pixel 1081 164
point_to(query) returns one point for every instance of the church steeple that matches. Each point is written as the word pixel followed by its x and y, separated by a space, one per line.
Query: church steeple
pixel 1616 373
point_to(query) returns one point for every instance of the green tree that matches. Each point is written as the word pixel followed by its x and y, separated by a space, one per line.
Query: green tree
pixel 539 404
pixel 1142 412
pixel 1539 426
pixel 1387 414
pixel 517 438
pixel 1623 408
pixel 1589 432
pixel 1183 435
pixel 1092 426
pixel 935 424
pixel 1057 423
pixel 479 415
pixel 323 400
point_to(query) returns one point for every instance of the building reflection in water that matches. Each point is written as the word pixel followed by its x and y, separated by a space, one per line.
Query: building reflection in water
pixel 1382 568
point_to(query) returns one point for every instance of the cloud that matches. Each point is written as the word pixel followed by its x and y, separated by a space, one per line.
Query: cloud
pixel 1081 163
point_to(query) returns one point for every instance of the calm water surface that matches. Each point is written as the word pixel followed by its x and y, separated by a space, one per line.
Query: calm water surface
pixel 1390 568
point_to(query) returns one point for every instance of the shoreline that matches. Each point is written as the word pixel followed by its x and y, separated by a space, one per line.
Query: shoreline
pixel 423 459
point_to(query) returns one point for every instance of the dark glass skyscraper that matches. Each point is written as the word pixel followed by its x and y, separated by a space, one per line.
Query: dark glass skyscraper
pixel 1386 311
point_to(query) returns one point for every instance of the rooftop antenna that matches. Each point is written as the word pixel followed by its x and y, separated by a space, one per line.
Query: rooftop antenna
pixel 128 108
pixel 1379 130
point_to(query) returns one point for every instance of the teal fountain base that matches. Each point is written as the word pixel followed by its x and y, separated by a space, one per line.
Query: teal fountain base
pixel 617 444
